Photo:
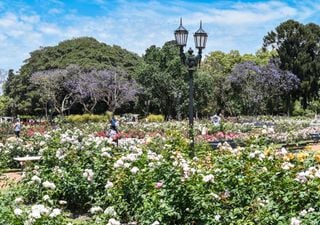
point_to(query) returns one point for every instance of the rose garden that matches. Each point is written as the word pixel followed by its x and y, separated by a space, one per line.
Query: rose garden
pixel 260 164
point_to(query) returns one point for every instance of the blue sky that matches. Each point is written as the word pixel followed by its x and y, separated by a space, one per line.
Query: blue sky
pixel 25 25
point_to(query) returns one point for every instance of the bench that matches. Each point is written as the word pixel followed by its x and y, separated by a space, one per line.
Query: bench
pixel 214 144
pixel 315 136
pixel 25 159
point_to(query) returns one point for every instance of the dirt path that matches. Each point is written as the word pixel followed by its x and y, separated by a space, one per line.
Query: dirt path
pixel 315 147
pixel 8 178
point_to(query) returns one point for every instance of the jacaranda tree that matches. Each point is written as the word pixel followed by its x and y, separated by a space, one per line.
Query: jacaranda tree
pixel 260 89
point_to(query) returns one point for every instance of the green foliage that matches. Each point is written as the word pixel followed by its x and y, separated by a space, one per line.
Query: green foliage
pixel 204 93
pixel 159 182
pixel 155 118
pixel 156 180
pixel 298 109
pixel 162 79
pixel 216 89
pixel 298 49
pixel 27 117
pixel 88 118
pixel 8 205
pixel 86 52
pixel 4 101
pixel 315 106
pixel 5 130
pixel 218 62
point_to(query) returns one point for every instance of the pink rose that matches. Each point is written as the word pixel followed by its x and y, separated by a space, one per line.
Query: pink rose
pixel 159 185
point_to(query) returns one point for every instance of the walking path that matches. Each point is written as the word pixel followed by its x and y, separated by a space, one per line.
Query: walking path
pixel 8 178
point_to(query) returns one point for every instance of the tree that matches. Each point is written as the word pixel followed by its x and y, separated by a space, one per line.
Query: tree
pixel 52 86
pixel 61 88
pixel 84 89
pixel 21 96
pixel 4 101
pixel 204 94
pixel 115 88
pixel 298 48
pixel 7 83
pixel 219 65
pixel 86 52
pixel 163 82
pixel 218 62
pixel 258 89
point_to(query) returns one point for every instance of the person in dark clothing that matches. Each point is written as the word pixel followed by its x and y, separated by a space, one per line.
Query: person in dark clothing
pixel 113 124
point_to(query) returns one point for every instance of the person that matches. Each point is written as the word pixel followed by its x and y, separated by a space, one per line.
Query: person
pixel 113 131
pixel 17 128
pixel 114 124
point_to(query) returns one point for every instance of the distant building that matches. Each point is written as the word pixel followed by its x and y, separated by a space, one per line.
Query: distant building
pixel 6 119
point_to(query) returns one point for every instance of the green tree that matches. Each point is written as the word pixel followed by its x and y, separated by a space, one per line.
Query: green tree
pixel 219 65
pixel 86 52
pixel 162 78
pixel 203 96
pixel 4 101
pixel 298 48
pixel 7 84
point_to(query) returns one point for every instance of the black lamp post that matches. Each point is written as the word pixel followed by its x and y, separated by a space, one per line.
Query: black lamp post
pixel 191 61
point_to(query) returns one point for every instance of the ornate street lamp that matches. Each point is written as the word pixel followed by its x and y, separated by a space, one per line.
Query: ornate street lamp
pixel 192 62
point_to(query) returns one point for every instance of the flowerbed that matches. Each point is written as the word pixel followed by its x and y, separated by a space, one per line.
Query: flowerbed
pixel 154 181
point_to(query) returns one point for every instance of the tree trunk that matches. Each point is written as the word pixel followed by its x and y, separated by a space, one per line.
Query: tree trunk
pixel 304 101
pixel 288 104
pixel 46 112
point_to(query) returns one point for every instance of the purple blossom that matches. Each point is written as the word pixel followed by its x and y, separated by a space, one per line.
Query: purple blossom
pixel 116 88
pixel 110 86
pixel 255 85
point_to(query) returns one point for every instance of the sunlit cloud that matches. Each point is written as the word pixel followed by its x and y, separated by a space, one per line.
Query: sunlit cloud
pixel 136 25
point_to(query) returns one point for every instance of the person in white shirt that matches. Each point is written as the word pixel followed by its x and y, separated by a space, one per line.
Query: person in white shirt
pixel 17 128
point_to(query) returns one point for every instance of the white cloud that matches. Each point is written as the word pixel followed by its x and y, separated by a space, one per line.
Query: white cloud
pixel 99 2
pixel 138 25
pixel 56 2
pixel 49 29
pixel 244 14
pixel 55 11
pixel 8 20
pixel 30 19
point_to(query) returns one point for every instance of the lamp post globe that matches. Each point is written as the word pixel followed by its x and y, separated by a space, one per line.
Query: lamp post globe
pixel 181 35
pixel 200 38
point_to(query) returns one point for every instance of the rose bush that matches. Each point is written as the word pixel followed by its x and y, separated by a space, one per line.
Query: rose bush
pixel 154 181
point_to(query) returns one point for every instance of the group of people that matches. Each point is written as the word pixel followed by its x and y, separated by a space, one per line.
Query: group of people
pixel 113 130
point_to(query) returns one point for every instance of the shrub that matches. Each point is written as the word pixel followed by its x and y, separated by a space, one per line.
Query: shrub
pixel 5 130
pixel 297 109
pixel 88 118
pixel 315 106
pixel 108 115
pixel 155 118
pixel 154 180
